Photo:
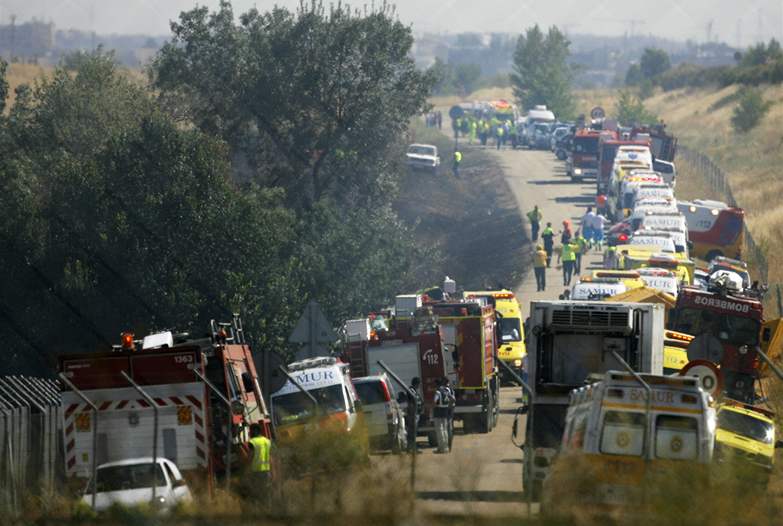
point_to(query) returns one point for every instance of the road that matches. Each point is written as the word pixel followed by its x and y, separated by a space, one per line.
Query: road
pixel 483 474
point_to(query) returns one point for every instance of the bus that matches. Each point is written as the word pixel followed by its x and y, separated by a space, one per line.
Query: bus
pixel 714 228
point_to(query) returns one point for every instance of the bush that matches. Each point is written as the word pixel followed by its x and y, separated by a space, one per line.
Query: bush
pixel 749 111
pixel 630 110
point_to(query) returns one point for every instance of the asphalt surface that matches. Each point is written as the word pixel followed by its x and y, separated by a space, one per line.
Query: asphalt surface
pixel 483 473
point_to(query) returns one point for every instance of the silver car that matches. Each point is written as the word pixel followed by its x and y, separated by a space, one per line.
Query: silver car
pixel 383 416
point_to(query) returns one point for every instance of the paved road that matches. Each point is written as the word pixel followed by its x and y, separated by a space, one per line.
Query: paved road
pixel 483 474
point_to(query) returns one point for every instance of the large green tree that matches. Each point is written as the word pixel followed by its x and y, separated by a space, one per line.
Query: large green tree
pixel 541 72
pixel 653 63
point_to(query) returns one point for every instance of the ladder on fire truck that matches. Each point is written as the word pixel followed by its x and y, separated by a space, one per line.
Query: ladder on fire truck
pixel 228 331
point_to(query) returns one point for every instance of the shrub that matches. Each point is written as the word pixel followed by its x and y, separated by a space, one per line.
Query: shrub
pixel 749 111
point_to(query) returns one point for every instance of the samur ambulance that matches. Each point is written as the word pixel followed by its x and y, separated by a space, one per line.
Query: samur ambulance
pixel 640 256
pixel 328 381
pixel 589 288
pixel 615 441
pixel 660 279
pixel 511 348
pixel 745 440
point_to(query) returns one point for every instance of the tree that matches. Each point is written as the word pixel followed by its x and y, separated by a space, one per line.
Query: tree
pixel 541 73
pixel 749 111
pixel 633 77
pixel 630 110
pixel 654 62
pixel 466 77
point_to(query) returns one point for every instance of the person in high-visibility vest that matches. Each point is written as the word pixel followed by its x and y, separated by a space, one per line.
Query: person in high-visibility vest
pixel 457 162
pixel 261 463
pixel 567 256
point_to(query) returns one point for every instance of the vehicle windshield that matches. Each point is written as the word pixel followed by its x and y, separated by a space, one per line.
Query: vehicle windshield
pixel 510 330
pixel 421 150
pixel 295 407
pixel 732 329
pixel 132 476
pixel 371 392
pixel 746 426
pixel 586 144
pixel 542 128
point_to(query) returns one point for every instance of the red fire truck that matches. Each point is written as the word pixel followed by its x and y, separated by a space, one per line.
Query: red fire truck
pixel 733 321
pixel 583 158
pixel 193 419
pixel 468 331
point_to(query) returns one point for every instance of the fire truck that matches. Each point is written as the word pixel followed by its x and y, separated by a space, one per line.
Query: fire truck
pixel 582 160
pixel 469 335
pixel 193 416
pixel 733 320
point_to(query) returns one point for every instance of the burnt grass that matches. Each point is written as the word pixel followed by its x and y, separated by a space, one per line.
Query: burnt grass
pixel 472 221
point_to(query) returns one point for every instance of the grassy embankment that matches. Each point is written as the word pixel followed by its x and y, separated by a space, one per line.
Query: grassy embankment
pixel 467 218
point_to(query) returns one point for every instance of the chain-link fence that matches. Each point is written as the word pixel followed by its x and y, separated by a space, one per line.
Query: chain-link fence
pixel 30 443
pixel 718 181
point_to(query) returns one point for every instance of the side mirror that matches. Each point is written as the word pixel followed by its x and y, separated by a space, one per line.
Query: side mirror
pixel 515 427
pixel 766 335
pixel 178 483
pixel 357 406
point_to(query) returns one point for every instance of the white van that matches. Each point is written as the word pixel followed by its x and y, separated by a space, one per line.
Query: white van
pixel 326 379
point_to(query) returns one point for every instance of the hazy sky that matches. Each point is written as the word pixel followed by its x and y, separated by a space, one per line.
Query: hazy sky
pixel 679 19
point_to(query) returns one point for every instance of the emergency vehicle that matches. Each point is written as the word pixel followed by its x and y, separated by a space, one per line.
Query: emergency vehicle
pixel 193 420
pixel 733 320
pixel 660 279
pixel 326 379
pixel 714 228
pixel 745 439
pixel 568 343
pixel 623 192
pixel 617 435
pixel 675 351
pixel 511 348
pixel 589 288
pixel 582 161
pixel 609 145
pixel 469 334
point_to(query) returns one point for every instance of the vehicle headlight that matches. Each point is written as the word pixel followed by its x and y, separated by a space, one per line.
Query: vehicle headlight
pixel 517 363
pixel 577 171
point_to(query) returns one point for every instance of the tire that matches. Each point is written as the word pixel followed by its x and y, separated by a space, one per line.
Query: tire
pixel 485 426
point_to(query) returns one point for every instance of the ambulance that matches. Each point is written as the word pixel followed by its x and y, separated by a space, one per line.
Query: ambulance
pixel 328 381
pixel 746 440
pixel 715 228
pixel 618 435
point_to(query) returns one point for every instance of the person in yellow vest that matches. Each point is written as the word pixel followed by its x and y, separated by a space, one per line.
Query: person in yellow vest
pixel 457 162
pixel 581 248
pixel 539 267
pixel 567 256
pixel 261 460
pixel 473 129
pixel 499 132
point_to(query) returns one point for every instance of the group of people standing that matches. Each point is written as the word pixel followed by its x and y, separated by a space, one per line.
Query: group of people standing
pixel 434 119
pixel 483 130
pixel 573 245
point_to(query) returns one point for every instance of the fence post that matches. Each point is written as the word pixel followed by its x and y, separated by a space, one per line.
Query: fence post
pixel 94 409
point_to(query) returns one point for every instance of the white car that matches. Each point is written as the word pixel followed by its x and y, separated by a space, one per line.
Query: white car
pixel 130 483
pixel 423 157
pixel 383 416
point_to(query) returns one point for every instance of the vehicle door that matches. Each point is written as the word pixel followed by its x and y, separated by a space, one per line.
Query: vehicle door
pixel 179 488
pixel 373 398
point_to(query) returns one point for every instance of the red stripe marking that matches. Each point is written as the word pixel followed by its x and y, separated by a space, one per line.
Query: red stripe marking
pixel 70 410
pixel 160 401
pixel 69 429
pixel 71 462
pixel 199 437
pixel 199 421
pixel 142 402
pixel 104 406
pixel 176 400
pixel 70 445
pixel 122 404
pixel 200 453
pixel 195 401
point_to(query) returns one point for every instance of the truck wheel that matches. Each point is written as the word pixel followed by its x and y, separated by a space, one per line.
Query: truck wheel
pixel 486 416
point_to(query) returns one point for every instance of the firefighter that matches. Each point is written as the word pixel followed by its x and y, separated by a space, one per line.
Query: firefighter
pixel 413 409
pixel 441 415
pixel 260 464
pixel 452 403
pixel 535 216
pixel 548 236
pixel 456 163
pixel 539 267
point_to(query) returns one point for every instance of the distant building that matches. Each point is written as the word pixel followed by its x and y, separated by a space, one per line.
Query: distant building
pixel 28 41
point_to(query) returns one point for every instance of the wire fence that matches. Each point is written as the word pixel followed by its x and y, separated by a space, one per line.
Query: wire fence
pixel 718 180
pixel 30 446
